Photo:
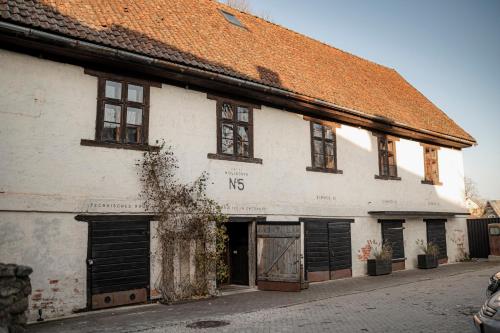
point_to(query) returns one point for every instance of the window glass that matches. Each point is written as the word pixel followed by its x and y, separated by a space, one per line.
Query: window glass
pixel 113 89
pixel 227 111
pixel 111 132
pixel 134 116
pixel 135 93
pixel 319 160
pixel 318 147
pixel 227 146
pixel 133 134
pixel 328 133
pixel 317 130
pixel 112 113
pixel 242 114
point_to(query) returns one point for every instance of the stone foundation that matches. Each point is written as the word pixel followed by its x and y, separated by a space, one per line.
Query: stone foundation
pixel 15 287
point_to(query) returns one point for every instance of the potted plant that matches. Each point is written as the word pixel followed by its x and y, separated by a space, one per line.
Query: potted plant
pixel 380 261
pixel 429 258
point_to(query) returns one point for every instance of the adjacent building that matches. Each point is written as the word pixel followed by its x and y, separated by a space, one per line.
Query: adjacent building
pixel 311 151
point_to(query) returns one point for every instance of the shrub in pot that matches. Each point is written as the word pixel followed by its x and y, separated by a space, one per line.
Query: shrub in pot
pixel 380 261
pixel 429 258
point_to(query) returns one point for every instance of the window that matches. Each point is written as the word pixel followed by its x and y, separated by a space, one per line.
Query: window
pixel 234 130
pixel 122 111
pixel 232 19
pixel 387 158
pixel 431 165
pixel 323 147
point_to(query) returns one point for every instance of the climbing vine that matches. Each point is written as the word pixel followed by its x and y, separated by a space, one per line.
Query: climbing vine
pixel 190 228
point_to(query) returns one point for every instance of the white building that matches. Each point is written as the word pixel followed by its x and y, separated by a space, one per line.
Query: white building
pixel 341 148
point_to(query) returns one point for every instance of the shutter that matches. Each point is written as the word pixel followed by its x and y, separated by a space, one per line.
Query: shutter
pixel 436 233
pixel 339 243
pixel 392 232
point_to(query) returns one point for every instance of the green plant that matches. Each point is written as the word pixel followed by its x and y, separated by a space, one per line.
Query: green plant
pixel 380 251
pixel 428 248
pixel 190 226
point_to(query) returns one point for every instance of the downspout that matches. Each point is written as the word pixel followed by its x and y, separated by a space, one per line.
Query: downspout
pixel 146 60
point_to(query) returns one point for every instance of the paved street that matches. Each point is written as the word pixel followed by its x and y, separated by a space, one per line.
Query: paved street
pixel 440 300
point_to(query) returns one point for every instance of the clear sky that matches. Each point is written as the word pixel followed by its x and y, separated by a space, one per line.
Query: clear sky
pixel 447 49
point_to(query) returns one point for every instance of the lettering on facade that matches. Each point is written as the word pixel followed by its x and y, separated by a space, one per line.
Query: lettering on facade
pixel 433 203
pixel 236 183
pixel 325 197
pixel 103 204
pixel 389 202
pixel 243 209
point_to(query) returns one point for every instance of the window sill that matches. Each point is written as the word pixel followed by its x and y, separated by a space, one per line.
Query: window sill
pixel 234 158
pixel 430 182
pixel 314 169
pixel 93 143
pixel 387 177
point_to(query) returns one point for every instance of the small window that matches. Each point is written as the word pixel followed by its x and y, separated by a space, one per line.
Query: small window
pixel 231 18
pixel 387 158
pixel 122 109
pixel 323 147
pixel 431 165
pixel 234 129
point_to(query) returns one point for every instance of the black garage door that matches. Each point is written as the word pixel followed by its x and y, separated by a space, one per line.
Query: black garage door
pixel 118 261
pixel 327 246
pixel 436 233
pixel 392 233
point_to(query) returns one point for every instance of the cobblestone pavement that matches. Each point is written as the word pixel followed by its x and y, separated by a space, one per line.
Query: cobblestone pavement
pixel 440 300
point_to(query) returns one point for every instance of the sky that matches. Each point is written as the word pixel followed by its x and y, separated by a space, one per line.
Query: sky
pixel 448 49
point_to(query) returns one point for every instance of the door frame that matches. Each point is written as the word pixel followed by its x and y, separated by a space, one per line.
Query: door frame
pixel 398 263
pixel 91 219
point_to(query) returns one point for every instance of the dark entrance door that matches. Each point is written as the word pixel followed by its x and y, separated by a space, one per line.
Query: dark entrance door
pixel 327 249
pixel 436 233
pixel 238 252
pixel 118 261
pixel 392 233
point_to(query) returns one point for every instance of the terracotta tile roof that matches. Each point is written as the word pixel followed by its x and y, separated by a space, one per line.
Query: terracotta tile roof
pixel 194 32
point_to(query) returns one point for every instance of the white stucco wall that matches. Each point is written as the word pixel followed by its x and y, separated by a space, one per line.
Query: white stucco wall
pixel 46 108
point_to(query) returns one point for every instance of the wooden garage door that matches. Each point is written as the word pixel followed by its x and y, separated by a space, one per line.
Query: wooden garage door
pixel 436 233
pixel 278 256
pixel 392 232
pixel 327 247
pixel 118 261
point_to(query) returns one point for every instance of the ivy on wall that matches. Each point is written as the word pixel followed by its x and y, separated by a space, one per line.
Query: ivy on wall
pixel 190 228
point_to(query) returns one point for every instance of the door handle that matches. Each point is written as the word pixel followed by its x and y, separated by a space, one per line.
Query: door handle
pixel 90 262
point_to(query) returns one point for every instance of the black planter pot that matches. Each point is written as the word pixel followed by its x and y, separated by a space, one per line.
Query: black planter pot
pixel 379 267
pixel 426 261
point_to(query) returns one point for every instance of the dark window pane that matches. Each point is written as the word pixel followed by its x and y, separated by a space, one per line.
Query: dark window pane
pixel 242 133
pixel 317 130
pixel 329 148
pixel 227 131
pixel 328 133
pixel 135 93
pixel 227 146
pixel 111 132
pixel 319 160
pixel 133 134
pixel 113 89
pixel 243 148
pixel 329 162
pixel 242 114
pixel 318 147
pixel 227 111
pixel 134 116
pixel 112 113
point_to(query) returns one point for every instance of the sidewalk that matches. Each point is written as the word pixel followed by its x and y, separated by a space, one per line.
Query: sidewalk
pixel 141 318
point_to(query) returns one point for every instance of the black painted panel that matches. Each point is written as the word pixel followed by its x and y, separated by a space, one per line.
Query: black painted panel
pixel 120 254
pixel 392 232
pixel 436 233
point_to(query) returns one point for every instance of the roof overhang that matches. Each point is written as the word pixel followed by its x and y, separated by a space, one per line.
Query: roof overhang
pixel 413 213
pixel 83 53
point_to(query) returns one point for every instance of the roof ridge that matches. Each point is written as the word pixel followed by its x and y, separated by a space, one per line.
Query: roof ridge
pixel 218 2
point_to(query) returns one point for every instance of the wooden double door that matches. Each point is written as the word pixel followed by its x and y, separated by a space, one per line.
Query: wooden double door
pixel 327 249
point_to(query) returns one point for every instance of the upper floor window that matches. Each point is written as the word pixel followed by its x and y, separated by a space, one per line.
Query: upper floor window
pixel 387 157
pixel 122 111
pixel 431 165
pixel 323 147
